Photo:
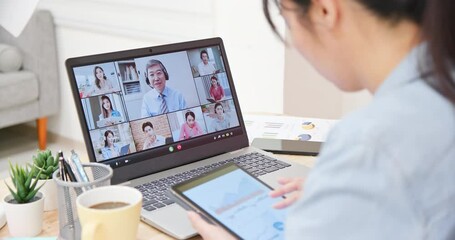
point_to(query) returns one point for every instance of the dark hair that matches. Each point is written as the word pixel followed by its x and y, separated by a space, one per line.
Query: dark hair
pixel 105 136
pixel 204 51
pixel 146 124
pixel 188 113
pixel 105 113
pixel 216 105
pixel 97 81
pixel 435 18
pixel 214 77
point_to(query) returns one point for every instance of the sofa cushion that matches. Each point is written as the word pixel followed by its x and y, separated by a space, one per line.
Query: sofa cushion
pixel 10 58
pixel 17 88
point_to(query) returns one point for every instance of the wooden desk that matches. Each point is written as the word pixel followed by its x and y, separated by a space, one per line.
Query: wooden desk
pixel 51 228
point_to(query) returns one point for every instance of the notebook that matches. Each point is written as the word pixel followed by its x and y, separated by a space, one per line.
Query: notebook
pixel 174 133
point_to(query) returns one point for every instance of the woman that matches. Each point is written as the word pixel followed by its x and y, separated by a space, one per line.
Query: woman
pixel 110 149
pixel 102 84
pixel 107 112
pixel 383 172
pixel 221 120
pixel 151 139
pixel 216 91
pixel 190 128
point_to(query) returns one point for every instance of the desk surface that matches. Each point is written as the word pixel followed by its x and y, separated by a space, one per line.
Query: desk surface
pixel 50 224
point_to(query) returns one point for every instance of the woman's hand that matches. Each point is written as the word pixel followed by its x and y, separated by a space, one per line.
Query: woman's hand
pixel 207 230
pixel 294 186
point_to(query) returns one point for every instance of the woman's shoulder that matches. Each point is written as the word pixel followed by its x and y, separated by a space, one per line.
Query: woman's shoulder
pixel 397 127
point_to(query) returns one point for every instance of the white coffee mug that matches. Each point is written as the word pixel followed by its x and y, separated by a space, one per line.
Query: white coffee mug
pixel 111 212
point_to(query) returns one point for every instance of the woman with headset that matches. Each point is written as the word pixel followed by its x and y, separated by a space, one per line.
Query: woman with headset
pixel 216 90
pixel 110 149
pixel 221 120
pixel 386 170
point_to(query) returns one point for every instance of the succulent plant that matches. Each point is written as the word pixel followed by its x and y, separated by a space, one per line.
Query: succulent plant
pixel 22 180
pixel 44 165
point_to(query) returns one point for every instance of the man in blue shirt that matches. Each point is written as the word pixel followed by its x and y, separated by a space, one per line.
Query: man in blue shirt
pixel 160 99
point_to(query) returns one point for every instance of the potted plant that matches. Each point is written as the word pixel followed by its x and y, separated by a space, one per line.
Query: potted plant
pixel 44 165
pixel 24 206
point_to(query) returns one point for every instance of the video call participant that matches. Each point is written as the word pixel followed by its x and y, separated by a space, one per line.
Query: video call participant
pixel 206 67
pixel 110 148
pixel 160 99
pixel 151 139
pixel 221 120
pixel 190 128
pixel 395 179
pixel 216 90
pixel 102 84
pixel 107 112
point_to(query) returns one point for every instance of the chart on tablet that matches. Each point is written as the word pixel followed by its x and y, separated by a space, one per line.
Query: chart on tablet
pixel 242 204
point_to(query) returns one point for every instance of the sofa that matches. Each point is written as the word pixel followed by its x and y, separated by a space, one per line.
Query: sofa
pixel 29 85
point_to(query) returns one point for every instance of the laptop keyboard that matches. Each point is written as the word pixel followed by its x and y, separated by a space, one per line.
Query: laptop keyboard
pixel 154 193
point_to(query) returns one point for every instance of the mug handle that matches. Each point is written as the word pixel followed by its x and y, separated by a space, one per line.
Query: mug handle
pixel 89 231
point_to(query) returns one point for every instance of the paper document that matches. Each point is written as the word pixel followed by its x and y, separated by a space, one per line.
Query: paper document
pixel 286 127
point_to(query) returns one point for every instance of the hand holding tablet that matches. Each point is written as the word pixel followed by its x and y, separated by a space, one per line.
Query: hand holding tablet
pixel 234 200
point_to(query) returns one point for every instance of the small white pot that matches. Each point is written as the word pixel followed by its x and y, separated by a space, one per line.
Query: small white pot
pixel 24 220
pixel 49 190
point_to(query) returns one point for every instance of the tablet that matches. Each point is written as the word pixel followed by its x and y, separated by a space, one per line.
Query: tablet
pixel 124 150
pixel 235 200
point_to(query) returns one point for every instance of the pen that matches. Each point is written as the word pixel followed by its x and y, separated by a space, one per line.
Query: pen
pixel 77 167
pixel 61 168
pixel 69 171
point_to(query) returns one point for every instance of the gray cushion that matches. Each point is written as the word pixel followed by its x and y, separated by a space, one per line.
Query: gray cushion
pixel 17 88
pixel 10 58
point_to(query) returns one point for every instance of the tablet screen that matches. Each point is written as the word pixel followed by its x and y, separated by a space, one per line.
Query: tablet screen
pixel 238 201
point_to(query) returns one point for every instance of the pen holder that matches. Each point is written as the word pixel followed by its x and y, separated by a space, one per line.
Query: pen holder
pixel 69 226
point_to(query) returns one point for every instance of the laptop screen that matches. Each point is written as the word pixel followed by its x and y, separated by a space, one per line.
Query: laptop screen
pixel 145 104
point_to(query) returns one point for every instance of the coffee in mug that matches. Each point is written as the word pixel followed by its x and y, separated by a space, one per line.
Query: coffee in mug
pixel 109 205
pixel 111 212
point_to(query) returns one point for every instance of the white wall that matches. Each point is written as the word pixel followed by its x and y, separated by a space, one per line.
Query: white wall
pixel 308 94
pixel 256 57
pixel 87 27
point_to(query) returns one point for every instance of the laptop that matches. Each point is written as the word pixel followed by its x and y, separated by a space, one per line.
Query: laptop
pixel 161 96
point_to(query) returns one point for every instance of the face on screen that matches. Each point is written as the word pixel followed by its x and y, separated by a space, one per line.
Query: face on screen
pixel 99 73
pixel 157 77
pixel 146 103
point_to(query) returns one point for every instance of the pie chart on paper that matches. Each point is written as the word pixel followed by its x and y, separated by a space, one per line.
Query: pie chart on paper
pixel 307 125
pixel 304 137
